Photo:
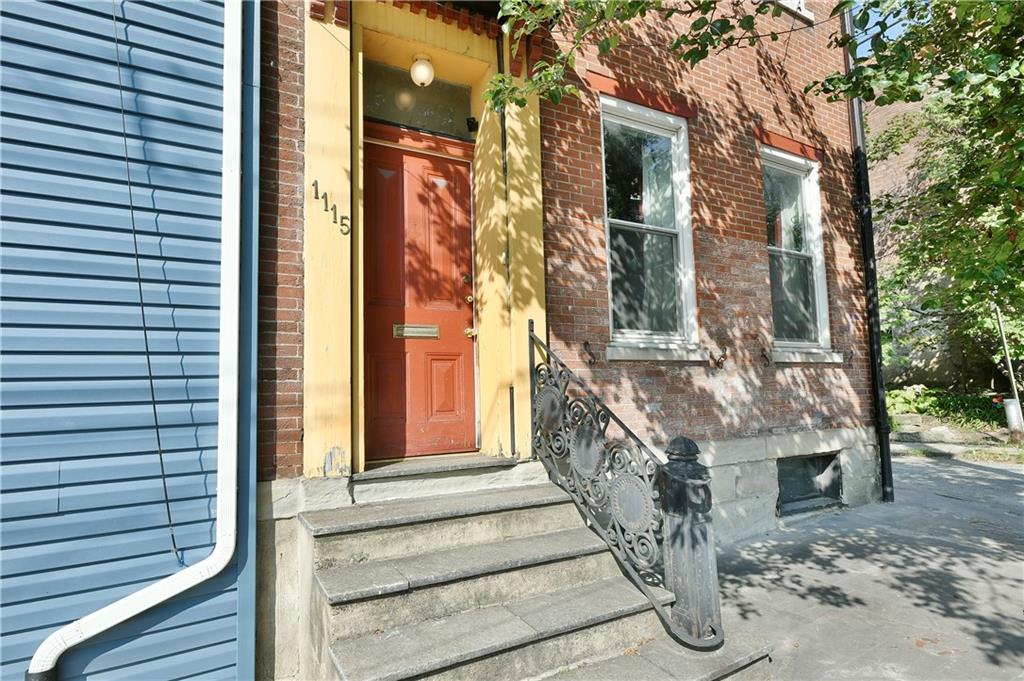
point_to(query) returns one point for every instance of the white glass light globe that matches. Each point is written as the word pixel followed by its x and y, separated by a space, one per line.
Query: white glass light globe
pixel 422 71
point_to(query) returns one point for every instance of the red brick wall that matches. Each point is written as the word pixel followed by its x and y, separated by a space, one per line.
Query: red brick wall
pixel 279 397
pixel 734 92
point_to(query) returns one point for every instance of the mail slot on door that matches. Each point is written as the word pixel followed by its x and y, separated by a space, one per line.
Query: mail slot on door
pixel 415 331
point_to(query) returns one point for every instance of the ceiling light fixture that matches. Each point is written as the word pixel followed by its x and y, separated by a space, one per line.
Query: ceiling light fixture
pixel 422 71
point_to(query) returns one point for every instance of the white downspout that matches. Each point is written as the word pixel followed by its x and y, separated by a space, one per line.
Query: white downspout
pixel 44 662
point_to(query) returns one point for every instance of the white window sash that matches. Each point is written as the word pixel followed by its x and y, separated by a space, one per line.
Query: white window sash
pixel 665 124
pixel 789 251
pixel 810 194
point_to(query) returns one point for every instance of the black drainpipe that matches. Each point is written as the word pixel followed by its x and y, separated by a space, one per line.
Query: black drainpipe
pixel 862 202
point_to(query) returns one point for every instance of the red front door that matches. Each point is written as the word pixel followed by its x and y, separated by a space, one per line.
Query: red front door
pixel 421 396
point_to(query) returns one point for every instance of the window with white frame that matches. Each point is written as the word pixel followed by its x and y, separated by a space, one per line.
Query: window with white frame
pixel 647 205
pixel 795 251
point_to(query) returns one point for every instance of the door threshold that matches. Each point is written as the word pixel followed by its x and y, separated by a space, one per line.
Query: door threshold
pixel 431 463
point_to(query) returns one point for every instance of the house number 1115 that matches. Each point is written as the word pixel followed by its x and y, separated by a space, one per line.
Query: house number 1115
pixel 343 222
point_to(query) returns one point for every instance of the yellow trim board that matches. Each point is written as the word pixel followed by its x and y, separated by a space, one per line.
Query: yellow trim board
pixel 327 253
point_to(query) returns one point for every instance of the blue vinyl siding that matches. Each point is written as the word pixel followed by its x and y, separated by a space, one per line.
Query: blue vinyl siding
pixel 83 515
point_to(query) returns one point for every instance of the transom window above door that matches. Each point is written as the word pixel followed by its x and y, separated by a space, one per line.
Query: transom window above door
pixel 390 96
pixel 652 295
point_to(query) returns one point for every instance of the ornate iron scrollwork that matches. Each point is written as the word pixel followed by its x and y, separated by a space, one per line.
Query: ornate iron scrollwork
pixel 611 475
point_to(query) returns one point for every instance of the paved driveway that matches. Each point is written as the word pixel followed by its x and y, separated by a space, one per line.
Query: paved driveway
pixel 929 588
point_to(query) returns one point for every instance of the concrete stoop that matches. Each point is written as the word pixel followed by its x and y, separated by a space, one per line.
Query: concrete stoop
pixel 741 658
pixel 504 583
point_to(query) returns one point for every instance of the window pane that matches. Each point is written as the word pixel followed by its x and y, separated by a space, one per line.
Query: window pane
pixel 644 293
pixel 793 308
pixel 638 175
pixel 785 219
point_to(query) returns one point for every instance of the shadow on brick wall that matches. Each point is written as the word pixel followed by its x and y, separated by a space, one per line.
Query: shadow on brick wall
pixel 735 91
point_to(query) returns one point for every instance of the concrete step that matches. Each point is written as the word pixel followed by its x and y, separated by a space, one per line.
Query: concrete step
pixel 384 595
pixel 414 477
pixel 743 657
pixel 387 530
pixel 560 628
pixel 429 465
pixel 378 578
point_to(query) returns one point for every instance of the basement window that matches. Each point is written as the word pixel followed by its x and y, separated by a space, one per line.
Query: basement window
pixel 807 483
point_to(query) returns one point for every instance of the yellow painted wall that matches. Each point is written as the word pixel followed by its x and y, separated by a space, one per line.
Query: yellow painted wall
pixel 526 229
pixel 508 248
pixel 491 277
pixel 327 253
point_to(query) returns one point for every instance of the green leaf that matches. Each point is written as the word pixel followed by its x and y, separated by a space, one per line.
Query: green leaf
pixel 860 19
pixel 747 22
pixel 720 26
pixel 842 7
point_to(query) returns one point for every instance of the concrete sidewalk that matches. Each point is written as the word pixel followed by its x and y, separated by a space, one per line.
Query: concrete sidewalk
pixel 929 588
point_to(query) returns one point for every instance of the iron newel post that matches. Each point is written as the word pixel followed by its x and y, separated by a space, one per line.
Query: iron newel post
pixel 691 567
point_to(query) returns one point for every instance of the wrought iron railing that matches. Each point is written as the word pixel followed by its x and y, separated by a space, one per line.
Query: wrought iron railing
pixel 653 515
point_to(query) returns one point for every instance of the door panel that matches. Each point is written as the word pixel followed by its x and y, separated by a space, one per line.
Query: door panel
pixel 418 272
pixel 447 400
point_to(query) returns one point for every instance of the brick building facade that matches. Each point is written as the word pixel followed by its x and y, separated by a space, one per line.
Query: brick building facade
pixel 701 338
pixel 279 412
pixel 732 95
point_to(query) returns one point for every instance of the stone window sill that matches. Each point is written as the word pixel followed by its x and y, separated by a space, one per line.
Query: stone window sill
pixel 806 356
pixel 665 352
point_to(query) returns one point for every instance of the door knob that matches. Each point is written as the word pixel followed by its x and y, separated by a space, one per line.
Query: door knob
pixel 470 299
pixel 469 333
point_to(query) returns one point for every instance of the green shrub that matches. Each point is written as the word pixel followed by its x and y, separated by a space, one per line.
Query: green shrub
pixel 968 410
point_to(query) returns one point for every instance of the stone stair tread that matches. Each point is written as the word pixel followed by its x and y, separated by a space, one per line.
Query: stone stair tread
pixel 377 578
pixel 429 646
pixel 408 511
pixel 740 649
pixel 583 606
pixel 666 660
pixel 629 666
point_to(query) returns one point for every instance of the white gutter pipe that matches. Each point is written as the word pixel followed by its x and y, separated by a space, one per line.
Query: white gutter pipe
pixel 43 666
